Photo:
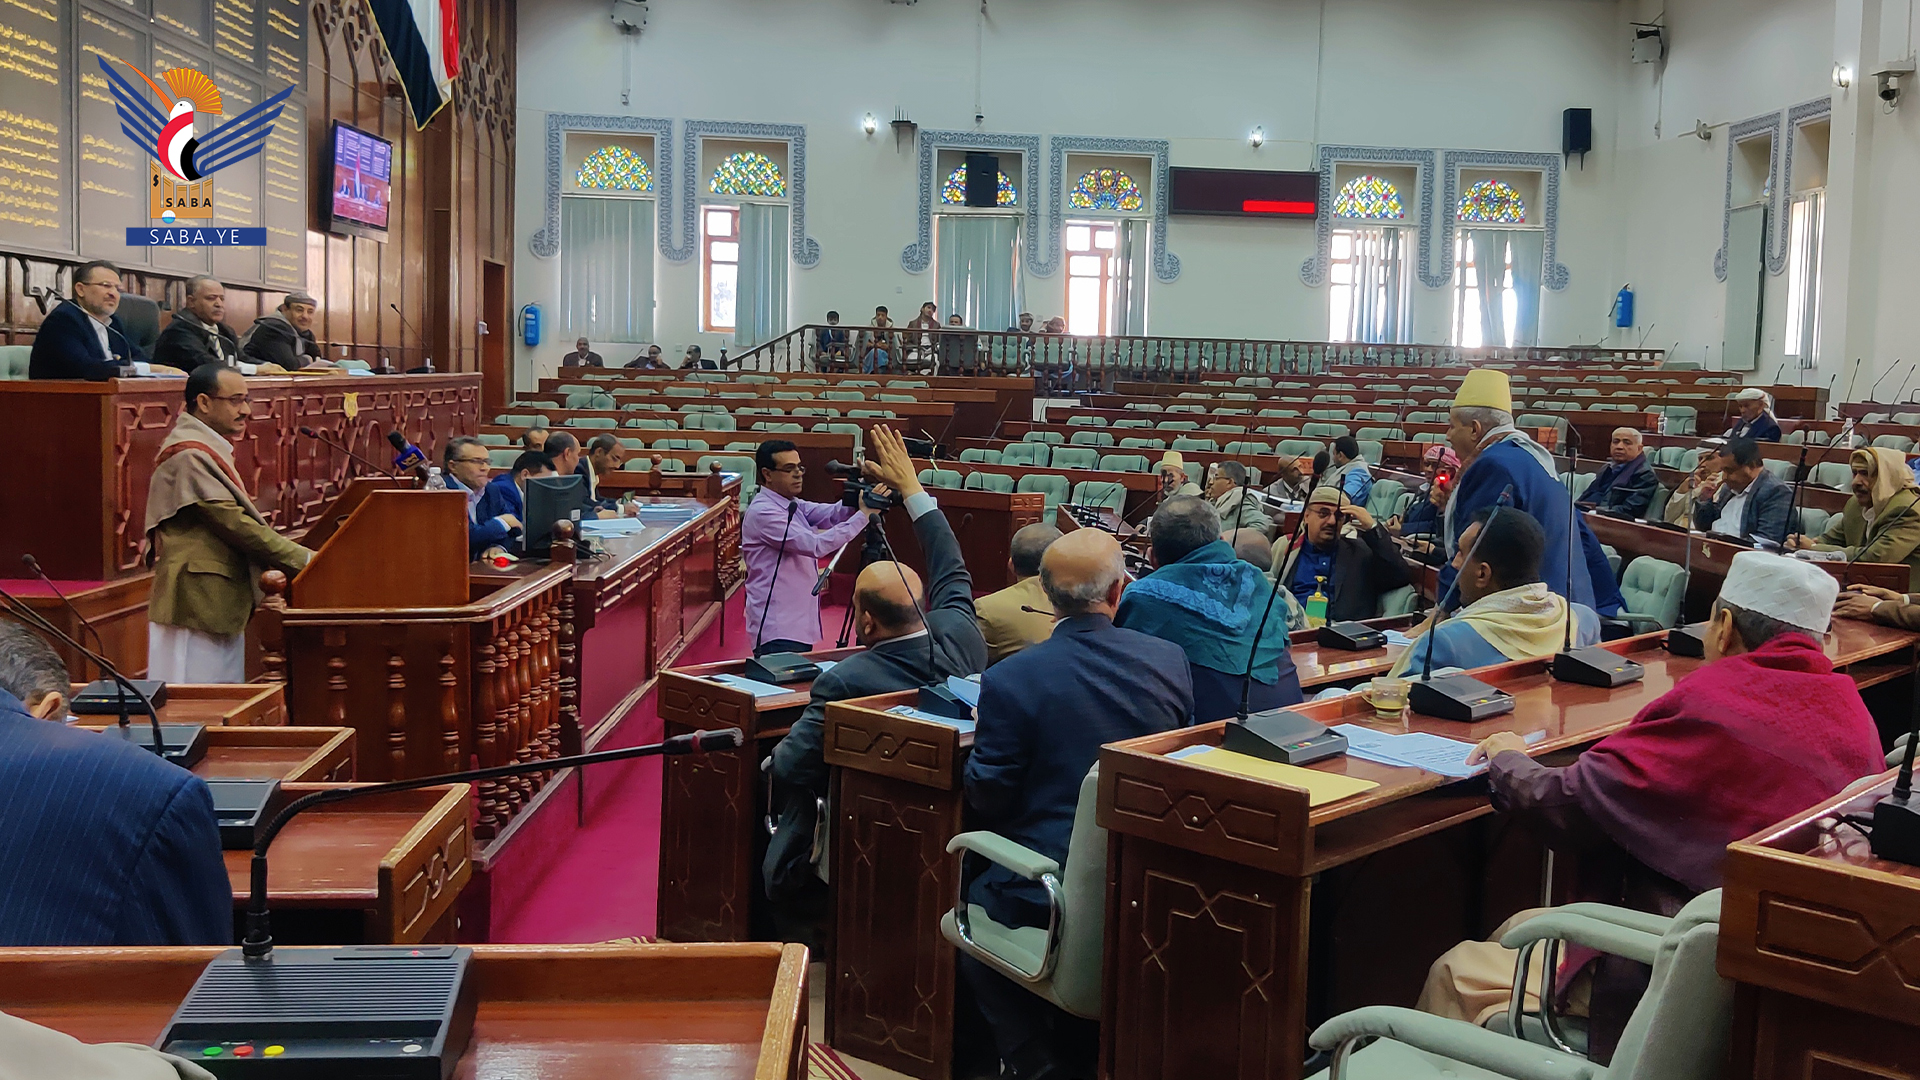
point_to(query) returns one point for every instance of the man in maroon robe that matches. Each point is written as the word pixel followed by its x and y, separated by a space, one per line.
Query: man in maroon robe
pixel 1765 729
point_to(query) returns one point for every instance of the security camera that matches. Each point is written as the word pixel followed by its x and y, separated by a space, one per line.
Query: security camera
pixel 1888 81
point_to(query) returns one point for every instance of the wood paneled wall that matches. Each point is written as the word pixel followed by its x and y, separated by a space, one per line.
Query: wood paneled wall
pixel 452 217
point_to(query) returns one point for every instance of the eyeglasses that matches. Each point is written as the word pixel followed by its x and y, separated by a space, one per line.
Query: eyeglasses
pixel 231 399
pixel 471 461
pixel 794 469
pixel 99 284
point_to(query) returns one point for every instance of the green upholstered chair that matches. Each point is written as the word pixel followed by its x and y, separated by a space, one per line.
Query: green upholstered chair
pixel 1401 601
pixel 1061 964
pixel 1132 422
pixel 988 481
pixel 907 383
pixel 1381 501
pixel 706 421
pixel 672 465
pixel 1250 446
pixel 1679 1029
pixel 1379 434
pixel 844 429
pixel 1323 430
pixel 1086 421
pixel 684 391
pixel 940 478
pixel 1652 592
pixel 703 408
pixel 678 443
pixel 792 395
pixel 593 422
pixel 843 395
pixel 653 423
pixel 1125 463
pixel 877 414
pixel 1141 443
pixel 1329 414
pixel 494 440
pixel 521 420
pixel 705 376
pixel 637 464
pixel 13 362
pixel 1281 431
pixel 1074 457
pixel 1050 437
pixel 733 463
pixel 1287 413
pixel 1298 448
pixel 1108 493
pixel 975 455
pixel 1833 474
pixel 1054 486
pixel 1179 425
pixel 1813 521
pixel 1091 438
pixel 777 425
pixel 502 457
pixel 809 382
pixel 1371 450
pixel 1208 445
pixel 813 410
pixel 1783 469
pixel 1681 419
pixel 1894 442
pixel 1023 453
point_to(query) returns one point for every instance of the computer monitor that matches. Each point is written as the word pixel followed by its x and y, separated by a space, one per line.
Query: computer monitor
pixel 551 500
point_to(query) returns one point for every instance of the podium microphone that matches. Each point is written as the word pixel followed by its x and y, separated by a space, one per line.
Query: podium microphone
pixel 368 462
pixel 406 456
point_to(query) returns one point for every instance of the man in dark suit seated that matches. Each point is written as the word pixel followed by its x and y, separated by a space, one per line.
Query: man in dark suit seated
pixel 1044 714
pixel 83 338
pixel 198 333
pixel 103 842
pixel 1749 501
pixel 504 497
pixel 905 649
pixel 1206 599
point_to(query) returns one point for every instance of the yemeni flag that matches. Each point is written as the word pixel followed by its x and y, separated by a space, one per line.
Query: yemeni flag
pixel 423 37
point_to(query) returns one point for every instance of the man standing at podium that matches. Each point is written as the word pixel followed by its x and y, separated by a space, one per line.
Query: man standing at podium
pixel 206 541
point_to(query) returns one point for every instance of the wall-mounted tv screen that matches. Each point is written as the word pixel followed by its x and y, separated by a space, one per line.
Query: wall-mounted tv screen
pixel 1244 192
pixel 362 175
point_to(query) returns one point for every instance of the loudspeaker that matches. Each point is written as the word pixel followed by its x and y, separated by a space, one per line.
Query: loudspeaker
pixel 1576 133
pixel 983 180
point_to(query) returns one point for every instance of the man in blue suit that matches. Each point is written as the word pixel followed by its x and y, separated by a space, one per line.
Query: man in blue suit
pixel 83 338
pixel 101 842
pixel 1498 457
pixel 1044 714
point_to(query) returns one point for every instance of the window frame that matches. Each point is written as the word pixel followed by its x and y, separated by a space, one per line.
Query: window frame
pixel 707 263
pixel 1107 278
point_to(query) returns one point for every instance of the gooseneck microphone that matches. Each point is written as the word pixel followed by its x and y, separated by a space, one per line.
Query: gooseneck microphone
pixel 27 615
pixel 120 692
pixel 418 338
pixel 793 507
pixel 368 462
pixel 258 944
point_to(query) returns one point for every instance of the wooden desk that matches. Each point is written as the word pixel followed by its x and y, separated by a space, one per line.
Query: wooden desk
pixel 712 806
pixel 1713 554
pixel 1319 667
pixel 215 704
pixel 547 1012
pixel 382 869
pixel 896 799
pixel 983 521
pixel 1819 937
pixel 1211 873
pixel 310 754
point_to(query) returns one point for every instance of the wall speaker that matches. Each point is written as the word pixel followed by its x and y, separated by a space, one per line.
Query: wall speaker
pixel 983 180
pixel 1576 133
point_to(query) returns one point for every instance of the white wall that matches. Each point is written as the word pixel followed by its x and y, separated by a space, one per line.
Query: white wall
pixel 1473 74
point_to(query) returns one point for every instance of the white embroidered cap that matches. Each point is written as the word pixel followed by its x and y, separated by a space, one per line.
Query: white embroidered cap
pixel 1792 591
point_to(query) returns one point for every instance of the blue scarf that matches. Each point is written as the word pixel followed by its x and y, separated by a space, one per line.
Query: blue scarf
pixel 1209 603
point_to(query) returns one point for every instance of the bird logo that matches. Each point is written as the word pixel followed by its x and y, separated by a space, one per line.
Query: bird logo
pixel 172 138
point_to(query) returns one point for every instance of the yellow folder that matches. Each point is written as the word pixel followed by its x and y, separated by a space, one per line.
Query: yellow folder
pixel 1321 787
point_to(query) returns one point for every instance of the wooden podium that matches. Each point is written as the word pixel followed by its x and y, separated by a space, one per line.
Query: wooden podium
pixel 387 632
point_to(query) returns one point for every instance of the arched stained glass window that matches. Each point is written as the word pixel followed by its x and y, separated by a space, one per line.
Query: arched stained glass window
pixel 615 168
pixel 1492 201
pixel 1106 189
pixel 954 191
pixel 748 173
pixel 1369 196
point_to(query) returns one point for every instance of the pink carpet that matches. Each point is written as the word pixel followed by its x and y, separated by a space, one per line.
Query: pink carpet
pixel 604 885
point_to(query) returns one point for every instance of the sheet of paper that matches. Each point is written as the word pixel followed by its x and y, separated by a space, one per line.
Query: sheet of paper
pixel 967 689
pixel 824 666
pixel 1321 787
pixel 908 710
pixel 752 686
pixel 1395 637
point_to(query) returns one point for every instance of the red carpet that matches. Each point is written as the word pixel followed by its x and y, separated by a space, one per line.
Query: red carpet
pixel 604 885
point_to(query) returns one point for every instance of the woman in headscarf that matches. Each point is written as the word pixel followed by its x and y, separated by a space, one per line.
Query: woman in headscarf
pixel 1881 523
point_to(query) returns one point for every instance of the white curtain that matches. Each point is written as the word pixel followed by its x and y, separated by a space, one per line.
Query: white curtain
pixel 977 272
pixel 1527 249
pixel 606 268
pixel 1490 275
pixel 1377 314
pixel 1132 259
pixel 760 312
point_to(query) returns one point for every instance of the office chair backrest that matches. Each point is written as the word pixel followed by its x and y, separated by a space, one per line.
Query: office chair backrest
pixel 1683 1021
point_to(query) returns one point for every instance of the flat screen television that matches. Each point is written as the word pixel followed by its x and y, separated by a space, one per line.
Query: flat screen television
pixel 362 182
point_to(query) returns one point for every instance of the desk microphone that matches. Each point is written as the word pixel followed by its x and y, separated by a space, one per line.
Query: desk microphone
pixel 1589 665
pixel 1849 392
pixel 355 1011
pixel 1896 821
pixel 420 339
pixel 369 463
pixel 191 738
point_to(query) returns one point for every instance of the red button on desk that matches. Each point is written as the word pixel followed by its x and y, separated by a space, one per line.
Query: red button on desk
pixel 242 1050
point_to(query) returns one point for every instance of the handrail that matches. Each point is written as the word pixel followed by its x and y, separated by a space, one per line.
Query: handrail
pixel 1066 361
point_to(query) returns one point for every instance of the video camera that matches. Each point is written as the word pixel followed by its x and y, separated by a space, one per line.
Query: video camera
pixel 859 488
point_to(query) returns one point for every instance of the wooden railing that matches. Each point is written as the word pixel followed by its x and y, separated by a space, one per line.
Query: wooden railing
pixel 1069 361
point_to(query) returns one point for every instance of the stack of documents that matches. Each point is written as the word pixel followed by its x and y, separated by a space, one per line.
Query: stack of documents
pixel 1415 750
pixel 962 726
pixel 1321 787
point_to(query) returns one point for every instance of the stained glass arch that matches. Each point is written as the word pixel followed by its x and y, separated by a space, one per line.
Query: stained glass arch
pixel 748 173
pixel 954 191
pixel 1492 202
pixel 614 168
pixel 1106 189
pixel 1369 196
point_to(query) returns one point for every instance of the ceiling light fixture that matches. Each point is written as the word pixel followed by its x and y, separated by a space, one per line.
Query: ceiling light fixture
pixel 1257 137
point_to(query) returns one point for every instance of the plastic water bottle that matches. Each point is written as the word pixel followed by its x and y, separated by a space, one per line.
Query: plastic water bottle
pixel 435 482
pixel 1660 423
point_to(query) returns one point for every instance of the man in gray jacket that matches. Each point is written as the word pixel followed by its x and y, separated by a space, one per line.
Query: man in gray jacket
pixel 1749 501
pixel 285 336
